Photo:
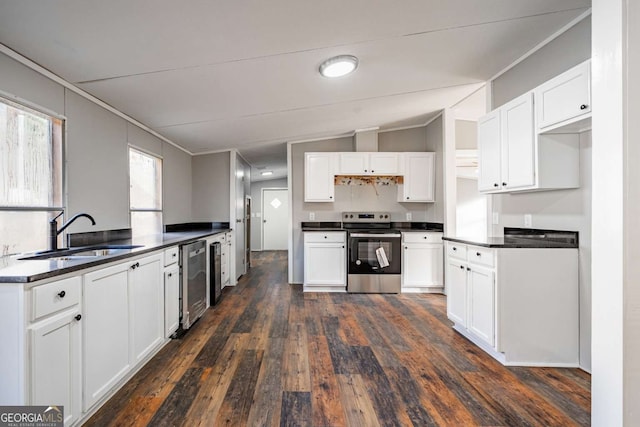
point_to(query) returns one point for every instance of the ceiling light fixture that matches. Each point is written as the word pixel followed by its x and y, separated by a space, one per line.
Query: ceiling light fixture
pixel 267 173
pixel 339 66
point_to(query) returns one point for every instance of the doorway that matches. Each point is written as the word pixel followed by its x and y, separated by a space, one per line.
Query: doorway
pixel 275 218
pixel 247 230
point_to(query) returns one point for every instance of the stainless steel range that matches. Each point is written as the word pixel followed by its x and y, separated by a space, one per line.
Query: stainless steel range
pixel 374 252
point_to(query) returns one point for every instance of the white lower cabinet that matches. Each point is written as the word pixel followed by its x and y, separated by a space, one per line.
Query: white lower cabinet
pixel 325 261
pixel 171 299
pixel 520 305
pixel 124 322
pixel 55 356
pixel 422 262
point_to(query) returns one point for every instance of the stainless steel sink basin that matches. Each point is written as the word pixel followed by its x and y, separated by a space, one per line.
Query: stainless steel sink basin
pixel 82 253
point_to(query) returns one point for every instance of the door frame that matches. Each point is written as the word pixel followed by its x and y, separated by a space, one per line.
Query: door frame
pixel 262 211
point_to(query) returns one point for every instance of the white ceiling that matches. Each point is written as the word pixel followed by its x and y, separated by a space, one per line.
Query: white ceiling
pixel 213 75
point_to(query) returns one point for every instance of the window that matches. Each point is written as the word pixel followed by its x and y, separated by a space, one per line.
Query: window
pixel 145 192
pixel 30 177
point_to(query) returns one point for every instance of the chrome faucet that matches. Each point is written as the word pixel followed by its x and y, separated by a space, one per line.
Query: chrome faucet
pixel 54 231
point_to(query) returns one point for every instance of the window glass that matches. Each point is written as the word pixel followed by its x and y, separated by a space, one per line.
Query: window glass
pixel 145 192
pixel 30 176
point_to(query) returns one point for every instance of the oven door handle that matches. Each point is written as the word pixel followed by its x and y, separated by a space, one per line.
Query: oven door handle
pixel 375 235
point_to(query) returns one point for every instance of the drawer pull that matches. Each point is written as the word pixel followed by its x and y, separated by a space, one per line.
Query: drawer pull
pixel 455 249
pixel 478 254
pixel 78 317
pixel 468 269
pixel 325 237
pixel 462 267
pixel 170 274
pixel 426 237
pixel 134 266
pixel 174 254
pixel 583 107
pixel 61 294
pixel 504 184
pixel 495 184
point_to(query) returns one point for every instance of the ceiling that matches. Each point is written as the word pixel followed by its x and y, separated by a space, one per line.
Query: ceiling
pixel 214 75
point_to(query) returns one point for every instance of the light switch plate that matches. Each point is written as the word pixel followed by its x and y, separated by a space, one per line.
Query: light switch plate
pixel 528 221
pixel 495 219
pixel 408 216
pixel 312 216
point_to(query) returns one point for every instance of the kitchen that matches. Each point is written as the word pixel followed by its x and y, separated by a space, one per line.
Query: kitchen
pixel 92 131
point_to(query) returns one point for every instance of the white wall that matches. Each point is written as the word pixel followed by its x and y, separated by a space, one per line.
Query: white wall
pixel 97 167
pixel 256 207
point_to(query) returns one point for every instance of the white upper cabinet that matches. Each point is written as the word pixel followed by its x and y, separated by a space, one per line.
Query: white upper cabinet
pixel 318 177
pixel 419 177
pixel 564 99
pixel 366 163
pixel 489 152
pixel 518 154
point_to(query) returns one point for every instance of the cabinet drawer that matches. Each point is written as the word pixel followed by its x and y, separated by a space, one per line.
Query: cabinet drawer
pixel 419 237
pixel 171 255
pixel 319 236
pixel 483 256
pixel 55 296
pixel 457 250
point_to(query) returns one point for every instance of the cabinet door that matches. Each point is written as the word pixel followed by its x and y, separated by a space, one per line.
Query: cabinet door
pixel 106 331
pixel 565 97
pixel 456 278
pixel 518 143
pixel 419 177
pixel 482 303
pixel 318 177
pixel 171 300
pixel 146 292
pixel 353 163
pixel 489 152
pixel 383 163
pixel 55 364
pixel 325 264
pixel 422 265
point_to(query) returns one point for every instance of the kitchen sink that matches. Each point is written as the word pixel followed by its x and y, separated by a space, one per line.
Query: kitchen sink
pixel 82 253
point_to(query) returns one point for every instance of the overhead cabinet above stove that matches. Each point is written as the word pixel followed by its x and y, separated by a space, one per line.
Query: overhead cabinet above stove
pixel 416 172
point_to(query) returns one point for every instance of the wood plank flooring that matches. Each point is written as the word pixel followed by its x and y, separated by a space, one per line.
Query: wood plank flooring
pixel 270 355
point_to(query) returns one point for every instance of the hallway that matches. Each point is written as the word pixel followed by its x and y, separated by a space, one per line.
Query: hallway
pixel 270 355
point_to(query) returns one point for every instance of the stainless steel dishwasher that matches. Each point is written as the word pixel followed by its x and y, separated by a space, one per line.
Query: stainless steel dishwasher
pixel 193 271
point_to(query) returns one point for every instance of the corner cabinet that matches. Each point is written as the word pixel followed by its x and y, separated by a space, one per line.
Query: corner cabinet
pixel 422 262
pixel 418 170
pixel 520 305
pixel 325 261
pixel 318 177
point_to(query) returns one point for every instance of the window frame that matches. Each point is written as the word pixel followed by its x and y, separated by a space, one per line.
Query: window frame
pixel 58 137
pixel 149 153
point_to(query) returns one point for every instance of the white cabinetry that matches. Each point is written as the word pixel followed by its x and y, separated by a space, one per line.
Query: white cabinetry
pixel 564 99
pixel 55 347
pixel 520 305
pixel 124 322
pixel 225 260
pixel 171 291
pixel 418 170
pixel 422 262
pixel 367 163
pixel 319 177
pixel 325 261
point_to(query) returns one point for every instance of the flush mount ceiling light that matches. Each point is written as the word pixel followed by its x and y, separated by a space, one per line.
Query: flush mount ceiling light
pixel 267 173
pixel 339 66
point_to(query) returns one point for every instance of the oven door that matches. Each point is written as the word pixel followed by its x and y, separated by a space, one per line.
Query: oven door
pixel 374 253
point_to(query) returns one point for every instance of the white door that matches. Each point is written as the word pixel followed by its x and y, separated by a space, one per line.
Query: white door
pixel 518 143
pixel 324 264
pixel 489 152
pixel 482 303
pixel 457 292
pixel 383 163
pixel 147 307
pixel 275 218
pixel 171 300
pixel 318 177
pixel 422 265
pixel 353 163
pixel 419 177
pixel 55 364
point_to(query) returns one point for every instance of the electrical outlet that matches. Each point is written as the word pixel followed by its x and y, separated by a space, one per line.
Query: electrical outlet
pixel 408 216
pixel 495 218
pixel 527 220
pixel 312 216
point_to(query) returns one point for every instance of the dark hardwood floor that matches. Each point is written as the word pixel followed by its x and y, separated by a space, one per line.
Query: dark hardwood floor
pixel 270 355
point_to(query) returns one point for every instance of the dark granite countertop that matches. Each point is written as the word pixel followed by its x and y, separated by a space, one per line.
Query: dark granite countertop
pixel 14 270
pixel 523 238
pixel 399 226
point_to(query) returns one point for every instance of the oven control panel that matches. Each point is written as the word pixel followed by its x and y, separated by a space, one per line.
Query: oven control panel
pixel 366 217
